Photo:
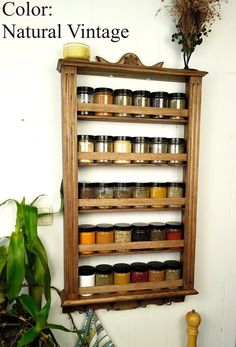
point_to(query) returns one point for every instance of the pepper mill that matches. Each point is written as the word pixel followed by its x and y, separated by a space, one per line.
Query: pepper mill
pixel 193 321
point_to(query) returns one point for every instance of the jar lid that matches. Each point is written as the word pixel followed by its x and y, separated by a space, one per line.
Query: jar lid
pixel 159 95
pixel 122 268
pixel 86 228
pixel 125 92
pixel 156 265
pixel 158 140
pixel 103 90
pixel 122 226
pixel 83 185
pixel 103 138
pixel 85 89
pixel 140 139
pixel 141 185
pixel 159 184
pixel 139 266
pixel 144 93
pixel 174 225
pixel 86 270
pixel 157 225
pixel 122 138
pixel 104 185
pixel 173 264
pixel 175 184
pixel 176 140
pixel 89 138
pixel 142 226
pixel 121 184
pixel 104 269
pixel 105 227
pixel 177 96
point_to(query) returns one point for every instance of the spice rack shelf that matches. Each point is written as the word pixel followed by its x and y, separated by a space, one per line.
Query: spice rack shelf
pixel 141 294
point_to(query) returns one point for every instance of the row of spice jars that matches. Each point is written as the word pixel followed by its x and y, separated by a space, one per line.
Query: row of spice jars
pixel 122 273
pixel 127 144
pixel 121 190
pixel 123 232
pixel 127 97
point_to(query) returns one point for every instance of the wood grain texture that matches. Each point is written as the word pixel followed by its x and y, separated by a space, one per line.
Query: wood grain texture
pixel 131 202
pixel 131 156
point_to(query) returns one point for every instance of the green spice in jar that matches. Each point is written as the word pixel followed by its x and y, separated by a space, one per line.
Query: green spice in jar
pixel 175 190
pixel 141 191
pixel 172 270
pixel 104 191
pixel 157 231
pixel 104 275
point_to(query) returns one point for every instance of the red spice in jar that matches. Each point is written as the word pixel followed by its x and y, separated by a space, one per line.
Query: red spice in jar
pixel 139 272
pixel 174 230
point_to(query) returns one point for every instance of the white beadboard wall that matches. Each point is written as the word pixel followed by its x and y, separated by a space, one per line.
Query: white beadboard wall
pixel 30 142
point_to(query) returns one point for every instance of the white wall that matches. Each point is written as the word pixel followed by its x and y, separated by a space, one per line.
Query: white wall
pixel 30 142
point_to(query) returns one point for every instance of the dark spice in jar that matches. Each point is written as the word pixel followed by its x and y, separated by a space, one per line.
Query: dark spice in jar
pixel 103 96
pixel 123 97
pixel 85 96
pixel 139 272
pixel 156 271
pixel 86 191
pixel 157 231
pixel 140 232
pixel 104 275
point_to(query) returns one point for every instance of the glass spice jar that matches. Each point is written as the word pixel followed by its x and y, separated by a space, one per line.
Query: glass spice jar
pixel 158 191
pixel 140 232
pixel 103 96
pixel 139 272
pixel 175 190
pixel 172 271
pixel 122 234
pixel 157 231
pixel 122 144
pixel 160 100
pixel 177 100
pixel 158 145
pixel 86 235
pixel 86 191
pixel 104 191
pixel 156 271
pixel 85 96
pixel 103 144
pixel 140 145
pixel 123 97
pixel 122 191
pixel 104 275
pixel 85 144
pixel 121 273
pixel 104 234
pixel 86 277
pixel 176 146
pixel 140 191
pixel 141 98
pixel 174 231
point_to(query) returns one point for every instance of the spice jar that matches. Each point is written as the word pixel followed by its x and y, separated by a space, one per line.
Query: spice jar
pixel 140 191
pixel 174 230
pixel 139 272
pixel 86 277
pixel 158 145
pixel 104 234
pixel 157 231
pixel 85 144
pixel 141 98
pixel 122 234
pixel 172 270
pixel 86 191
pixel 177 100
pixel 103 144
pixel 122 144
pixel 176 146
pixel 122 191
pixel 160 100
pixel 103 96
pixel 140 145
pixel 175 190
pixel 86 235
pixel 123 97
pixel 140 232
pixel 156 271
pixel 104 191
pixel 104 275
pixel 121 273
pixel 85 96
pixel 158 191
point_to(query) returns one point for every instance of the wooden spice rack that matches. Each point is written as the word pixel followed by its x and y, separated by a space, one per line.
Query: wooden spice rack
pixel 135 294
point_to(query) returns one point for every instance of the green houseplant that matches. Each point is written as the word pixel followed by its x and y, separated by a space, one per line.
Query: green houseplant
pixel 24 265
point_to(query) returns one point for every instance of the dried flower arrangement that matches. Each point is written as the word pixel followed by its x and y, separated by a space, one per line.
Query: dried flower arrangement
pixel 194 19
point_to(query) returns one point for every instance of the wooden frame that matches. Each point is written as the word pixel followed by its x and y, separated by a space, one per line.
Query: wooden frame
pixel 132 295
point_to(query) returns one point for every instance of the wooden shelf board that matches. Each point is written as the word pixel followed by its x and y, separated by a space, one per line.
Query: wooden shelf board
pixel 131 156
pixel 147 251
pixel 133 209
pixel 129 165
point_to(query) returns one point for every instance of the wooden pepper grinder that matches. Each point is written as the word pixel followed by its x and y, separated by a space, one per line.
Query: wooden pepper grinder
pixel 193 320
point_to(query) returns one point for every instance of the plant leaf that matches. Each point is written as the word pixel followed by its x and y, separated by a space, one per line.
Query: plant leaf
pixel 59 327
pixel 15 265
pixel 3 257
pixel 29 305
pixel 30 215
pixel 29 336
pixel 36 199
